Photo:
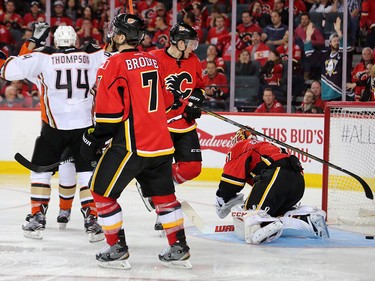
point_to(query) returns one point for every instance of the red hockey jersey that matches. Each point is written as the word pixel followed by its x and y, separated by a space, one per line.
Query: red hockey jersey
pixel 130 92
pixel 187 75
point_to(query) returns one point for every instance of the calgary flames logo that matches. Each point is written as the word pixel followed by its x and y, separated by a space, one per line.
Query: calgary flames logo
pixel 180 84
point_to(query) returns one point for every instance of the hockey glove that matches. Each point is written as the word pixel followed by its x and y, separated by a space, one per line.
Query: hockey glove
pixel 91 147
pixel 40 33
pixel 223 209
pixel 191 113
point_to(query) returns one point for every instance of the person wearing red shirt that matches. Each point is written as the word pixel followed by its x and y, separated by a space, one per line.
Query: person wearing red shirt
pixel 146 9
pixel 258 50
pixel 212 55
pixel 367 21
pixel 316 89
pixel 59 17
pixel 10 18
pixel 216 87
pixel 162 12
pixel 317 38
pixel 219 30
pixel 162 32
pixel 270 104
pixel 87 14
pixel 247 27
pixel 34 16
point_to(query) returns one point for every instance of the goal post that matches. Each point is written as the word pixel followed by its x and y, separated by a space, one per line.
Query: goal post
pixel 349 142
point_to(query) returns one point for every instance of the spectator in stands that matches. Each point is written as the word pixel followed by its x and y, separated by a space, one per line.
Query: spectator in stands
pixel 271 75
pixel 87 14
pixel 147 44
pixel 88 34
pixel 359 86
pixel 267 6
pixel 6 39
pixel 216 87
pixel 73 9
pixel 270 104
pixel 308 104
pixel 201 14
pixel 10 99
pixel 212 55
pixel 146 9
pixel 189 18
pixel 35 15
pixel 217 31
pixel 316 89
pixel 273 34
pixel 261 19
pixel 58 17
pixel 296 52
pixel 225 48
pixel 369 92
pixel 215 11
pixel 247 27
pixel 299 7
pixel 161 11
pixel 244 65
pixel 317 39
pixel 161 35
pixel 354 10
pixel 258 50
pixel 361 71
pixel 279 6
pixel 367 22
pixel 331 62
pixel 321 6
pixel 12 20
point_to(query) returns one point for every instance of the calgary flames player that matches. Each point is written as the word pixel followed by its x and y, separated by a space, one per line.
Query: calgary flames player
pixel 278 185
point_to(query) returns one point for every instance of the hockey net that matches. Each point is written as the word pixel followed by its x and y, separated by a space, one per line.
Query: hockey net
pixel 349 142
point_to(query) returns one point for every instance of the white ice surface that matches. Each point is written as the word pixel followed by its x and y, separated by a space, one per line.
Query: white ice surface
pixel 68 255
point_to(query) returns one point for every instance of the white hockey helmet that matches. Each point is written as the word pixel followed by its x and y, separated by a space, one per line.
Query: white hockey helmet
pixel 65 36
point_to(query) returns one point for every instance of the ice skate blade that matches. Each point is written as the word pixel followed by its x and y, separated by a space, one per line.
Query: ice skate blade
pixel 119 264
pixel 184 264
pixel 62 225
pixel 36 234
pixel 93 238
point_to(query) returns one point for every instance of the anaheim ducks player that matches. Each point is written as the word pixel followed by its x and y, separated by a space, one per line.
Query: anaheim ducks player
pixel 278 185
pixel 64 76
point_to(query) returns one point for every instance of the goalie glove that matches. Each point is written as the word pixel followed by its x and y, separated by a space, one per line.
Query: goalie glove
pixel 223 209
pixel 40 33
pixel 91 147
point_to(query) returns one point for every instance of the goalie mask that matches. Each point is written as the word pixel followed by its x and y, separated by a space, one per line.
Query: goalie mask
pixel 241 135
pixel 132 26
pixel 65 36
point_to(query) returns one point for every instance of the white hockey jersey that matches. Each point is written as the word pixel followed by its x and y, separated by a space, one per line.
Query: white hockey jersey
pixel 64 79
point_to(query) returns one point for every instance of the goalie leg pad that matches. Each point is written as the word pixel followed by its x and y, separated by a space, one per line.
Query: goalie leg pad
pixel 255 233
pixel 239 227
pixel 307 219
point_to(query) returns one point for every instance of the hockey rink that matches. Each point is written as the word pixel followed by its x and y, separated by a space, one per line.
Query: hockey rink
pixel 67 255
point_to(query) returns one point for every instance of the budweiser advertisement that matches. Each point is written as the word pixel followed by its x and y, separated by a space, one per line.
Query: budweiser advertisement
pixel 305 133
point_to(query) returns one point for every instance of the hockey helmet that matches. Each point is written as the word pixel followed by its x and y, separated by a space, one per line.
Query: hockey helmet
pixel 65 36
pixel 182 31
pixel 241 135
pixel 132 26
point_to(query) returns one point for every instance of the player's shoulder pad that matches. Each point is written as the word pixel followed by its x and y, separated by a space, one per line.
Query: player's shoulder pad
pixel 91 48
pixel 45 50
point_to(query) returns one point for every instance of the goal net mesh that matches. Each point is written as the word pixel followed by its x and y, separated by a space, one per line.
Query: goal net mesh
pixel 349 144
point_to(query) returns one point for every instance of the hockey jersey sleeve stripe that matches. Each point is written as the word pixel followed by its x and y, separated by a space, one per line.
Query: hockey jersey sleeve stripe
pixel 108 118
pixel 155 153
pixel 3 68
pixel 231 180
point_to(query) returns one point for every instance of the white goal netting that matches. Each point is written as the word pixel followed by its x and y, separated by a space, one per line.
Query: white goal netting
pixel 349 144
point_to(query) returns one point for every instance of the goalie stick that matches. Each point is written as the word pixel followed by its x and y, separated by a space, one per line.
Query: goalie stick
pixel 198 222
pixel 65 158
pixel 365 186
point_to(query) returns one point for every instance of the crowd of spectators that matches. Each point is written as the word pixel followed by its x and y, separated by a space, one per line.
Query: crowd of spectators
pixel 261 41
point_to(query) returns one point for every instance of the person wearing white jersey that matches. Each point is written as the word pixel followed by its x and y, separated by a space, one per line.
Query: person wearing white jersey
pixel 64 76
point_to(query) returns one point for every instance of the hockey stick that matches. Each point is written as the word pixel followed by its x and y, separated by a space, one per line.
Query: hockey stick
pixel 198 222
pixel 65 158
pixel 365 186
